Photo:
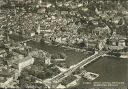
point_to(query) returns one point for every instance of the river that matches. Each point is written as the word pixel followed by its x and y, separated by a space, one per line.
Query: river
pixel 110 69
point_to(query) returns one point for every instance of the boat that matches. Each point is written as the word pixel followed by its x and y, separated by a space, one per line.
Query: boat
pixel 124 55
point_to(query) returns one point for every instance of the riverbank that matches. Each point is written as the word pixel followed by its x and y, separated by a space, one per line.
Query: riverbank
pixel 109 68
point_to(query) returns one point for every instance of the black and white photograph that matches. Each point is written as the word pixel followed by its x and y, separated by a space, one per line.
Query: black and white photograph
pixel 63 44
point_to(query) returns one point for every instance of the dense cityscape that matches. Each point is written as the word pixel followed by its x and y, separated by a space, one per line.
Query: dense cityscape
pixel 49 43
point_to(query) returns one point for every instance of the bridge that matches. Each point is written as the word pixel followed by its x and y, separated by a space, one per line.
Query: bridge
pixel 53 82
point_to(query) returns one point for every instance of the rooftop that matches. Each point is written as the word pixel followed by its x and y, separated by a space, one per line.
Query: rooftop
pixel 2 51
pixel 20 60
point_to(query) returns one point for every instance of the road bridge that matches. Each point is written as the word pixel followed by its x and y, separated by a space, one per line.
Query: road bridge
pixel 53 82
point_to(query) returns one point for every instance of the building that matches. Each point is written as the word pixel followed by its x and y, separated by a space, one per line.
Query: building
pixel 2 2
pixel 7 83
pixel 1 36
pixel 122 42
pixel 27 1
pixel 6 77
pixel 20 64
pixel 68 80
pixel 102 44
pixel 116 42
pixel 2 53
pixel 126 37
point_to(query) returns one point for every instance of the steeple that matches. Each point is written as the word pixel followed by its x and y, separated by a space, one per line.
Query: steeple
pixel 127 34
pixel 114 33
